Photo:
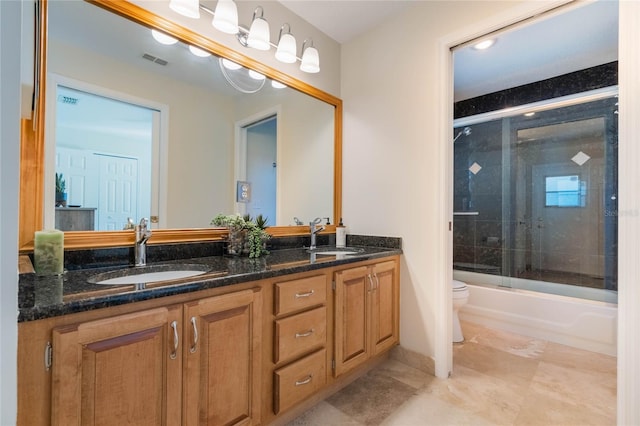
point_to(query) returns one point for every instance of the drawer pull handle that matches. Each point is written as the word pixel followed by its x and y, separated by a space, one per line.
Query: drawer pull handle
pixel 305 334
pixel 194 347
pixel 307 294
pixel 371 285
pixel 174 354
pixel 305 381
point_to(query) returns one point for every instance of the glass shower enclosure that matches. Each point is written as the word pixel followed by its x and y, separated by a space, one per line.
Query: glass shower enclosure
pixel 535 196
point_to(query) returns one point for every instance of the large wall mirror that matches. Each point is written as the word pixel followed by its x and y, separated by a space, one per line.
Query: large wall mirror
pixel 137 128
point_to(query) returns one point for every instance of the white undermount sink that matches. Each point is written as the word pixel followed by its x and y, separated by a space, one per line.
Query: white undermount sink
pixel 149 274
pixel 334 251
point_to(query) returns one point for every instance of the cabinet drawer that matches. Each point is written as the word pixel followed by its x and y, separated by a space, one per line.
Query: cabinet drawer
pixel 299 380
pixel 291 296
pixel 300 334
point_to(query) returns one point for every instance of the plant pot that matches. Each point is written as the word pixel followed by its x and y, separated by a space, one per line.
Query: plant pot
pixel 61 199
pixel 237 242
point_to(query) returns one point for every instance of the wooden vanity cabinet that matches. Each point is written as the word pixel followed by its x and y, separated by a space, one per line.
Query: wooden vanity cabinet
pixel 222 360
pixel 120 370
pixel 300 340
pixel 258 352
pixel 191 364
pixel 366 313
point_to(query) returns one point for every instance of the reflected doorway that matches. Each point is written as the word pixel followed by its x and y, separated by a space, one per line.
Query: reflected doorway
pixel 262 167
pixel 107 152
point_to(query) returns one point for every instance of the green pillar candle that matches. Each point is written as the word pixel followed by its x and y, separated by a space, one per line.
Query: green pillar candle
pixel 48 252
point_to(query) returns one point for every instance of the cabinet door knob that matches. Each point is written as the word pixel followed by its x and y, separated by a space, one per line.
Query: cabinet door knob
pixel 194 347
pixel 174 354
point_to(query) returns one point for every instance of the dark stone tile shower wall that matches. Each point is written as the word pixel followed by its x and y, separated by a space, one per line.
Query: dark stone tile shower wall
pixel 478 241
pixel 597 77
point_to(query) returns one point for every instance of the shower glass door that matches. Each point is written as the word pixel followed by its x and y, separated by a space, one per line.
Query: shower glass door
pixel 535 197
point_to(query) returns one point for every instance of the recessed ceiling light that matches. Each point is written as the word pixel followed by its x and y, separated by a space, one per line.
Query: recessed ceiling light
pixel 484 44
pixel 230 65
pixel 199 52
pixel 163 38
pixel 256 75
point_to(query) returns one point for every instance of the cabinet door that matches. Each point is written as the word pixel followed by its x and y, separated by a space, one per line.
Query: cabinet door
pixel 351 318
pixel 121 370
pixel 384 307
pixel 222 354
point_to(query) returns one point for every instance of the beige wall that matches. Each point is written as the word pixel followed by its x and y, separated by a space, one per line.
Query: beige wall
pixel 390 88
pixel 305 153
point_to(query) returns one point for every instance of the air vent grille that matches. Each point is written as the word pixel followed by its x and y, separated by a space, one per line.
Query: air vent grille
pixel 154 59
pixel 67 100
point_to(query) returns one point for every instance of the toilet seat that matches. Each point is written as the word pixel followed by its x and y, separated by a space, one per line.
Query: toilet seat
pixel 458 285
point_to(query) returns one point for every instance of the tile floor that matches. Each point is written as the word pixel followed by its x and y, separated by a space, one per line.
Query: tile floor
pixel 499 378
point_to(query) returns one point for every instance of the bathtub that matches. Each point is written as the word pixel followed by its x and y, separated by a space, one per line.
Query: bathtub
pixel 582 323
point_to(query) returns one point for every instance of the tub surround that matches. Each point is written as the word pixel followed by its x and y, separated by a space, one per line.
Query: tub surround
pixel 45 297
pixel 580 323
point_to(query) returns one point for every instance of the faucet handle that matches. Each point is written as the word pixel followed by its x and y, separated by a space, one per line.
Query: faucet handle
pixel 315 221
pixel 143 223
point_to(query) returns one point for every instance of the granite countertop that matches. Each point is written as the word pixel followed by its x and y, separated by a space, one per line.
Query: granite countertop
pixel 45 297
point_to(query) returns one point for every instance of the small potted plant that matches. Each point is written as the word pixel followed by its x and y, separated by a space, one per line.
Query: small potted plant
pixel 61 193
pixel 245 235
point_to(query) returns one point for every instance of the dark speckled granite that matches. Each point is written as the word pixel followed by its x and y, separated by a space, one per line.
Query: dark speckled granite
pixel 604 75
pixel 54 296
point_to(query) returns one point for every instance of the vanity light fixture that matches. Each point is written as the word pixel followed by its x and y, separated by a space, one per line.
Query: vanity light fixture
pixel 163 38
pixel 310 59
pixel 225 19
pixel 286 51
pixel 259 35
pixel 188 8
pixel 484 44
pixel 199 52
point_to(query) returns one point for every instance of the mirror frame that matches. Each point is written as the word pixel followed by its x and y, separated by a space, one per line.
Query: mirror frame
pixel 32 144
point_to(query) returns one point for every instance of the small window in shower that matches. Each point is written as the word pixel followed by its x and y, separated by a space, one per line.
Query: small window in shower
pixel 564 191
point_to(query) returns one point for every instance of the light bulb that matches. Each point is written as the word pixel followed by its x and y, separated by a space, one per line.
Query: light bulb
pixel 225 17
pixel 259 36
pixel 188 8
pixel 310 59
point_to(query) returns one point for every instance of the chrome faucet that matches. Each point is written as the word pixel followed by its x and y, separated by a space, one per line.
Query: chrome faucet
pixel 314 229
pixel 142 235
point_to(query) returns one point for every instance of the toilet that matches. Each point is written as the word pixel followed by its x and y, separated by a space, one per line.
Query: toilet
pixel 460 297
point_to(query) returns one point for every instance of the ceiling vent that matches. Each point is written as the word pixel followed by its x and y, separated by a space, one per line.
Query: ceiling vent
pixel 154 59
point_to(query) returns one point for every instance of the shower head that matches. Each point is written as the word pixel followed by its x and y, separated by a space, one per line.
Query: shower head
pixel 466 131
